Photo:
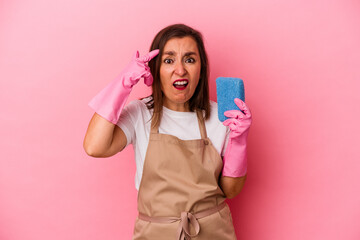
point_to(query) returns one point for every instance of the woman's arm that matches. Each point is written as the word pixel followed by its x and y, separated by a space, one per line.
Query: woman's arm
pixel 103 138
pixel 232 186
pixel 235 157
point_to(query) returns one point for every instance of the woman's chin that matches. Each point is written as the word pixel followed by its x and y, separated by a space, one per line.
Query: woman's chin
pixel 178 104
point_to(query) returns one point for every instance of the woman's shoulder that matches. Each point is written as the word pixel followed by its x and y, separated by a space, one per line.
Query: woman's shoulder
pixel 214 125
pixel 213 104
pixel 214 110
pixel 214 115
pixel 138 109
pixel 139 104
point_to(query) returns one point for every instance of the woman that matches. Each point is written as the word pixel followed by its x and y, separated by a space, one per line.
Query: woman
pixel 181 178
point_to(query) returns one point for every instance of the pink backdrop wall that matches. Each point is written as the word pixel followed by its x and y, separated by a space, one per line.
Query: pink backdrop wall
pixel 300 63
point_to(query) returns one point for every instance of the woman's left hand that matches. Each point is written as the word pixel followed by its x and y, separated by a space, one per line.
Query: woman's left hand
pixel 238 122
pixel 235 158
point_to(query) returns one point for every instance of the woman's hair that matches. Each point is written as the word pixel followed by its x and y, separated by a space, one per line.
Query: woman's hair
pixel 200 99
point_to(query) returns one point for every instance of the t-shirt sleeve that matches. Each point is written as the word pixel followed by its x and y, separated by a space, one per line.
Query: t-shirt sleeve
pixel 226 141
pixel 127 120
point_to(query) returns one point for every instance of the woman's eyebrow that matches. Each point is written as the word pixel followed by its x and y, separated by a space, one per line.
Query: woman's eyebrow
pixel 190 53
pixel 171 53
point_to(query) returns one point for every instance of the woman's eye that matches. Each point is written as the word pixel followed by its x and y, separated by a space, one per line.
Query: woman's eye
pixel 190 60
pixel 168 61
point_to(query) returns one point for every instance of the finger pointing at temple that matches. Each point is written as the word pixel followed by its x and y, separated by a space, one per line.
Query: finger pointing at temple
pixel 149 56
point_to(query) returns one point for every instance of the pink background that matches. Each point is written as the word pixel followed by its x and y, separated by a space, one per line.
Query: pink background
pixel 300 63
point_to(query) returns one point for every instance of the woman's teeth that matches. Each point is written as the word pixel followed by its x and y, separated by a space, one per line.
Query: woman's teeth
pixel 180 83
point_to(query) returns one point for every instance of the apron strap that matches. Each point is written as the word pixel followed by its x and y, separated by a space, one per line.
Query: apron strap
pixel 201 122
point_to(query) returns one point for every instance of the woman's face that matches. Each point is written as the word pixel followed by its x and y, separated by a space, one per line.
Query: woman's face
pixel 179 72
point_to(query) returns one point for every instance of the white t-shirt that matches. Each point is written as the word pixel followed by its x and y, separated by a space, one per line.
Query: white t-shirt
pixel 135 121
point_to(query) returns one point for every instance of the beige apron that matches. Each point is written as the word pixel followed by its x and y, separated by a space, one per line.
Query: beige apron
pixel 179 196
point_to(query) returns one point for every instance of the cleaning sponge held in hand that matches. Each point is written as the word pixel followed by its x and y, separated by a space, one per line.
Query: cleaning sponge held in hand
pixel 227 90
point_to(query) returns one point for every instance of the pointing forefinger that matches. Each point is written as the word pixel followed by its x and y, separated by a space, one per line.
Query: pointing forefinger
pixel 149 56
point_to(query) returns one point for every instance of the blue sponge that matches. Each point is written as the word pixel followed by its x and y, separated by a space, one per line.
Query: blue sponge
pixel 227 90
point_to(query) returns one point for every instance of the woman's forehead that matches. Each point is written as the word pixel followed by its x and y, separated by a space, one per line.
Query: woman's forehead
pixel 185 45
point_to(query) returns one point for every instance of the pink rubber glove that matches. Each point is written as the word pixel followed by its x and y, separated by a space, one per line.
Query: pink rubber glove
pixel 111 100
pixel 235 158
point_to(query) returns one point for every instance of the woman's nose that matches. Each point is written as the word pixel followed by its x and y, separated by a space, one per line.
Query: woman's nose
pixel 180 69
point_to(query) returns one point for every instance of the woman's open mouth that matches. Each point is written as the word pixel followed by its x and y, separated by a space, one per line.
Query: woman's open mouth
pixel 180 84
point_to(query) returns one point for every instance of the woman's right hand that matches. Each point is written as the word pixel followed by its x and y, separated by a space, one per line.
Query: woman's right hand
pixel 102 138
pixel 110 101
pixel 138 68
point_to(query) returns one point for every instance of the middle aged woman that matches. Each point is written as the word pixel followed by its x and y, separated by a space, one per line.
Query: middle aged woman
pixel 188 162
